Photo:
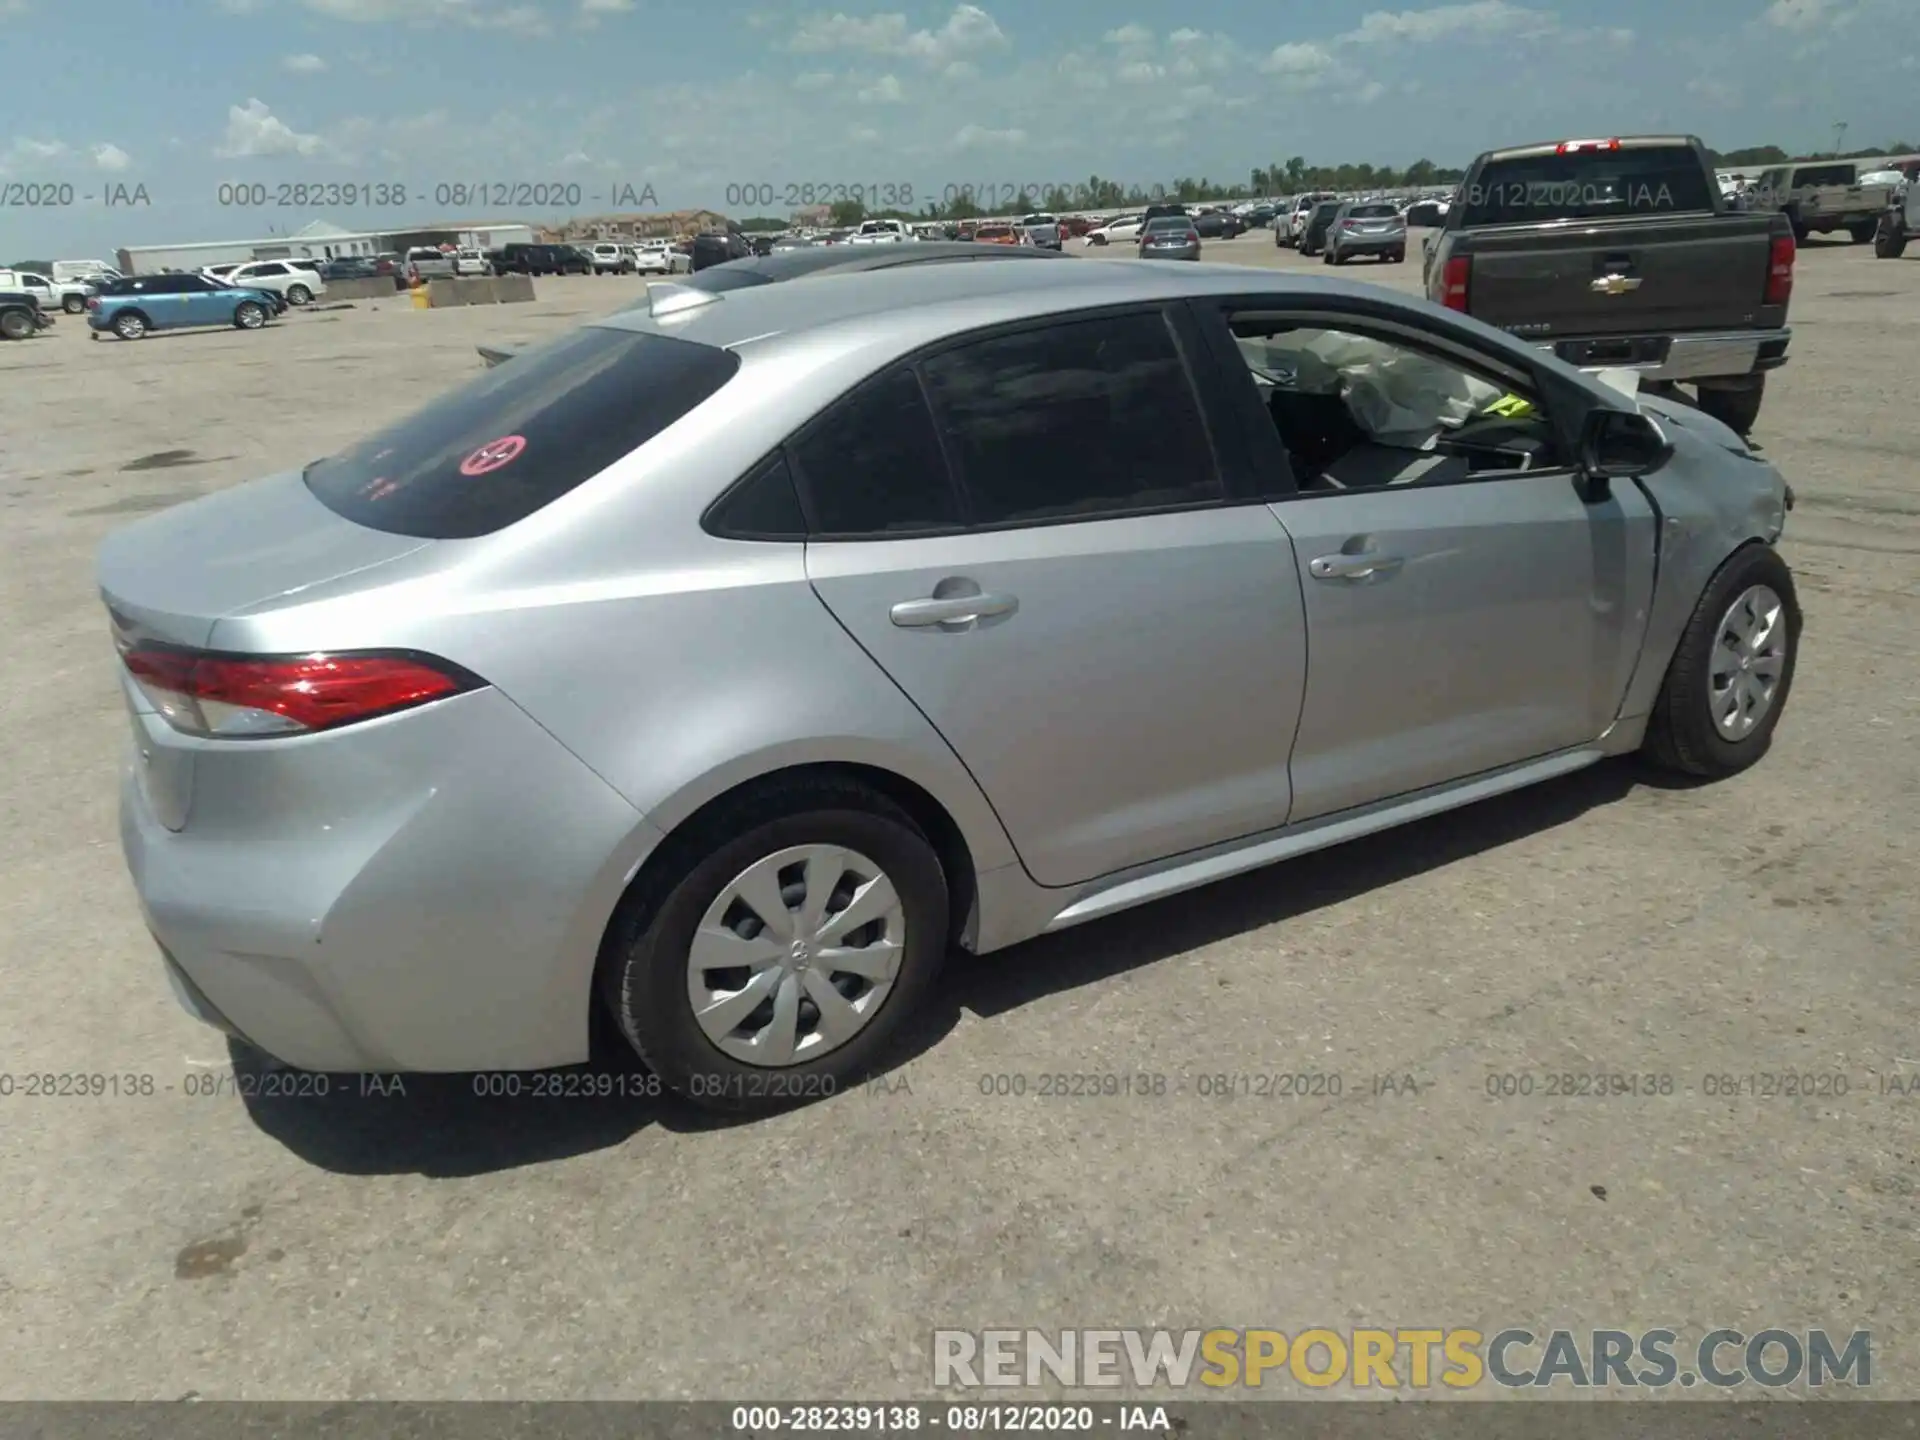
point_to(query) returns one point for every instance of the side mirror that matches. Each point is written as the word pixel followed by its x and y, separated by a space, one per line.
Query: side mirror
pixel 1619 445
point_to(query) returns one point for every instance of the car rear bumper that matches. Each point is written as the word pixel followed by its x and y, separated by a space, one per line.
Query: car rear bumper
pixel 1369 244
pixel 1703 356
pixel 425 892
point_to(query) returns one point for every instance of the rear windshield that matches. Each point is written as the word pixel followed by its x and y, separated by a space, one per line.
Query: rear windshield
pixel 1372 212
pixel 1588 185
pixel 519 436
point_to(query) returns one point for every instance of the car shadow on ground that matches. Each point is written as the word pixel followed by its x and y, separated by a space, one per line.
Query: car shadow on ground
pixel 464 1125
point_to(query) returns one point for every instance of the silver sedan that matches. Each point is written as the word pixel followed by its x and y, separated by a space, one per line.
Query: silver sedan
pixel 726 664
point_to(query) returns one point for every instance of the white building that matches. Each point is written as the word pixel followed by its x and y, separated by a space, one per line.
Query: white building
pixel 320 241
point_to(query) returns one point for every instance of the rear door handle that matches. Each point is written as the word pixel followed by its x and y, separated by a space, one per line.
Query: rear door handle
pixel 952 609
pixel 1352 567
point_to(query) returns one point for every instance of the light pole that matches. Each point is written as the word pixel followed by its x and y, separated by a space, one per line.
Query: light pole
pixel 1839 137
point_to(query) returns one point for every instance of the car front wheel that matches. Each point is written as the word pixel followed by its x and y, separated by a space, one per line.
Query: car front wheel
pixel 1732 670
pixel 777 955
pixel 249 316
pixel 298 294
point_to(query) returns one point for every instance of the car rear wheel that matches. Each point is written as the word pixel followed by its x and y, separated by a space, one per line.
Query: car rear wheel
pixel 249 316
pixel 1735 408
pixel 298 294
pixel 1890 239
pixel 775 957
pixel 129 325
pixel 73 304
pixel 16 324
pixel 1729 679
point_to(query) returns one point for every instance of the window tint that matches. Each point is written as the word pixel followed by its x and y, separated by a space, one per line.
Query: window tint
pixel 1585 184
pixel 1372 212
pixel 1825 175
pixel 1361 412
pixel 763 506
pixel 1078 419
pixel 185 285
pixel 519 436
pixel 871 464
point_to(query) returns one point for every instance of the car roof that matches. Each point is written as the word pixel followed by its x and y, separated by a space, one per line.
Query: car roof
pixel 924 303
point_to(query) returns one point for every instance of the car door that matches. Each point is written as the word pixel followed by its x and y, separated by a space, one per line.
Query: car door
pixel 1467 608
pixel 40 288
pixel 1112 644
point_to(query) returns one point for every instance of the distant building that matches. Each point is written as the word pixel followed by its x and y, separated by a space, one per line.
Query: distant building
pixel 319 241
pixel 671 225
pixel 813 217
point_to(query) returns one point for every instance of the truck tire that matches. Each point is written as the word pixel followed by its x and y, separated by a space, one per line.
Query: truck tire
pixel 73 304
pixel 1800 231
pixel 16 324
pixel 1890 239
pixel 1864 231
pixel 1737 409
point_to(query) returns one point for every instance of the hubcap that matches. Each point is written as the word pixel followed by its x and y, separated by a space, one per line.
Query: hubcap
pixel 796 956
pixel 1749 657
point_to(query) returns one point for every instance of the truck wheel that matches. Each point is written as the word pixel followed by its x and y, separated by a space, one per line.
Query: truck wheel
pixel 1731 672
pixel 1737 409
pixel 16 324
pixel 1800 231
pixel 73 304
pixel 1890 241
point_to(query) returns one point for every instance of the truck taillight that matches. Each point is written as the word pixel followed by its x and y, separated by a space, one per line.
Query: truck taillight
pixel 258 696
pixel 1780 271
pixel 1574 147
pixel 1453 282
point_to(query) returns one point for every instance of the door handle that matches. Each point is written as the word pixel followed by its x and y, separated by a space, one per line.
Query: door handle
pixel 1352 567
pixel 952 609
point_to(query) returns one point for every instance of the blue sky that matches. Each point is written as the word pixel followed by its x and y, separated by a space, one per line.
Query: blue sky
pixel 693 98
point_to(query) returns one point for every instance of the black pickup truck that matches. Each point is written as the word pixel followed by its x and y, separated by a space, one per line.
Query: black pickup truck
pixel 1622 253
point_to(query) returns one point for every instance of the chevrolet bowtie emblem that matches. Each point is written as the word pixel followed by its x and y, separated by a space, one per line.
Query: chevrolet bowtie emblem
pixel 1616 284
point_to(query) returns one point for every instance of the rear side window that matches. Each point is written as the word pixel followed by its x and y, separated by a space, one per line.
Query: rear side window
pixel 1587 185
pixel 1072 421
pixel 871 464
pixel 519 436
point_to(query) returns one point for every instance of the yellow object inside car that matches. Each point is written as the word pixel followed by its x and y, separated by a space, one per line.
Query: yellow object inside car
pixel 1511 407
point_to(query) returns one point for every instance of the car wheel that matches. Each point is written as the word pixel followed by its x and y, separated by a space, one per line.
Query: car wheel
pixel 73 304
pixel 799 928
pixel 1398 257
pixel 129 326
pixel 1890 241
pixel 249 316
pixel 1736 409
pixel 298 294
pixel 1729 679
pixel 1327 258
pixel 16 324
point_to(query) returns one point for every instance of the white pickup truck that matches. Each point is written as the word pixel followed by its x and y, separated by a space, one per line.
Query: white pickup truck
pixel 68 295
pixel 1822 196
pixel 881 232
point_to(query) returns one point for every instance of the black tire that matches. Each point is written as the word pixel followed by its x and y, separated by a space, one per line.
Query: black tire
pixel 249 315
pixel 1398 257
pixel 1736 409
pixel 643 972
pixel 73 304
pixel 1863 232
pixel 298 294
pixel 1327 257
pixel 1681 735
pixel 16 324
pixel 1890 240
pixel 130 325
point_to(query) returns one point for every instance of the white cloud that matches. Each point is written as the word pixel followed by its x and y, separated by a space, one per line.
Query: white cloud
pixel 884 91
pixel 1140 72
pixel 242 7
pixel 1297 58
pixel 605 7
pixel 978 137
pixel 303 64
pixel 519 19
pixel 815 80
pixel 1130 36
pixel 1486 18
pixel 108 156
pixel 254 130
pixel 1371 92
pixel 961 70
pixel 969 30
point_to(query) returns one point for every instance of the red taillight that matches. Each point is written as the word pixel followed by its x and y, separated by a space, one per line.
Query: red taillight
pixel 1453 282
pixel 1780 271
pixel 241 696
pixel 1574 147
pixel 93 302
pixel 1193 237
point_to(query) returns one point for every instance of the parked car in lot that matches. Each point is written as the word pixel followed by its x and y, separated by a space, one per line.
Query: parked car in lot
pixel 716 247
pixel 525 259
pixel 21 317
pixel 350 267
pixel 1373 228
pixel 652 257
pixel 1287 228
pixel 1170 237
pixel 1428 214
pixel 68 295
pixel 429 262
pixel 134 308
pixel 1218 225
pixel 1121 230
pixel 1898 225
pixel 997 233
pixel 498 703
pixel 1623 253
pixel 611 259
pixel 573 259
pixel 471 262
pixel 1044 230
pixel 85 271
pixel 1313 234
pixel 299 286
pixel 1822 197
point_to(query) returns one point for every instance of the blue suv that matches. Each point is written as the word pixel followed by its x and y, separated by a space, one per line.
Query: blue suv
pixel 131 307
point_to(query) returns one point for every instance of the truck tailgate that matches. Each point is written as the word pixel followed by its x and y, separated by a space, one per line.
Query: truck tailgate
pixel 1667 275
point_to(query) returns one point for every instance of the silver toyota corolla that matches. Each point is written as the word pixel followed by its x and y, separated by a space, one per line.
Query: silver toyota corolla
pixel 728 662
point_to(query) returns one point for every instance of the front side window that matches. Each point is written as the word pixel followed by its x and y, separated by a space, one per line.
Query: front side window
pixel 871 464
pixel 1358 411
pixel 1073 420
pixel 517 437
